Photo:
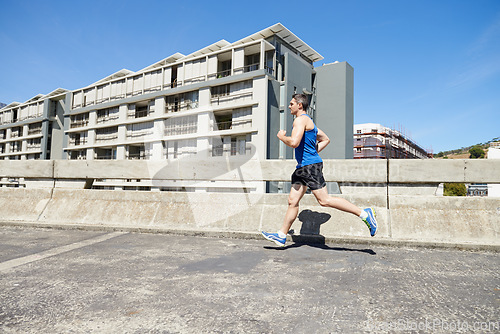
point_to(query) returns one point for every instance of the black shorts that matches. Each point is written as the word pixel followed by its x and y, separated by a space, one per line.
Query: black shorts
pixel 310 175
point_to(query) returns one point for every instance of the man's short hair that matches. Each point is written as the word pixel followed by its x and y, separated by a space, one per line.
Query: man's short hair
pixel 301 98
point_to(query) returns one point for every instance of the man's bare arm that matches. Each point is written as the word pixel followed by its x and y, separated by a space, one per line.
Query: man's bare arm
pixel 299 127
pixel 322 140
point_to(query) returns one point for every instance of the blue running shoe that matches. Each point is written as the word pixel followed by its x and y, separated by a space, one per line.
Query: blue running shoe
pixel 274 237
pixel 371 222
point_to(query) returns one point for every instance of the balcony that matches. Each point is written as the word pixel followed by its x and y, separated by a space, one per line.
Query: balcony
pixel 106 137
pixel 181 106
pixel 219 99
pixel 107 118
pixel 220 74
pixel 227 125
pixel 105 153
pixel 193 80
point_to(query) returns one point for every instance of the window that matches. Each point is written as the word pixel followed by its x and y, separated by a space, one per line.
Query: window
pixel 105 153
pixel 224 69
pixel 217 147
pixel 16 132
pixel 181 102
pixel 79 120
pixel 137 152
pixel 107 115
pixel 181 125
pixel 105 134
pixel 173 77
pixel 78 155
pixel 79 138
pixel 221 90
pixel 223 122
pixel 252 62
pixel 179 148
pixel 34 129
pixel 34 144
pixel 141 109
pixel 140 129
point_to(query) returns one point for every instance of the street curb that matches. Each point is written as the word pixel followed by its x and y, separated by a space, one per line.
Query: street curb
pixel 305 239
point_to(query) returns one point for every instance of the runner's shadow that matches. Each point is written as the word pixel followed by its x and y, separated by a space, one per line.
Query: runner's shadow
pixel 322 246
pixel 311 221
pixel 310 236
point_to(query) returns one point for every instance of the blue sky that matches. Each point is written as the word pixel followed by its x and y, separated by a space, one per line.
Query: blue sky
pixel 431 68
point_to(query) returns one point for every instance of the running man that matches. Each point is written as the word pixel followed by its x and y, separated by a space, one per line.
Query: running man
pixel 308 141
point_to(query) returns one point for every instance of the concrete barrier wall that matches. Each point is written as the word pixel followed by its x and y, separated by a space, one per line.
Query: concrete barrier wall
pixel 407 215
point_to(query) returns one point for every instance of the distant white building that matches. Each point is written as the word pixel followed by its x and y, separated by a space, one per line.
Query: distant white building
pixel 374 141
pixel 494 153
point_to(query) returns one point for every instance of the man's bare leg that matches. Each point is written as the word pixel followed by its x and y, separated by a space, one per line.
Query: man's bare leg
pixel 324 199
pixel 367 215
pixel 296 194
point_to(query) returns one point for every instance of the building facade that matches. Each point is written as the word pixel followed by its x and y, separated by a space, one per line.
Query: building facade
pixel 227 100
pixel 374 141
pixel 494 153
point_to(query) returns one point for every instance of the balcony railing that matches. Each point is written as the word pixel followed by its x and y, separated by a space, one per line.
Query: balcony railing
pixel 104 157
pixel 35 131
pixel 139 133
pixel 181 106
pixel 233 124
pixel 220 74
pixel 139 113
pixel 224 98
pixel 223 125
pixel 180 129
pixel 152 89
pixel 105 99
pixel 77 124
pixel 139 156
pixel 74 142
pixel 247 68
pixel 118 97
pixel 200 78
pixel 15 134
pixel 106 137
pixel 34 147
pixel 107 118
pixel 173 84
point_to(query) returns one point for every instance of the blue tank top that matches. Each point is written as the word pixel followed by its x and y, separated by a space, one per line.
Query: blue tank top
pixel 306 153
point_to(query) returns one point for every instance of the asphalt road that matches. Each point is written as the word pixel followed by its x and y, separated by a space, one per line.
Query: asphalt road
pixel 70 281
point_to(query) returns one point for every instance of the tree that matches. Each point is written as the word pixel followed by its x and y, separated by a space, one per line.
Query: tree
pixel 476 152
pixel 454 189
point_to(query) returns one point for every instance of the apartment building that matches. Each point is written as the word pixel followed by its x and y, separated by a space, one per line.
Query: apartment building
pixel 374 141
pixel 225 101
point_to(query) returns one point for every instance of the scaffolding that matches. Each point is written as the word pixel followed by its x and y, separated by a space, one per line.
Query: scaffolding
pixel 374 141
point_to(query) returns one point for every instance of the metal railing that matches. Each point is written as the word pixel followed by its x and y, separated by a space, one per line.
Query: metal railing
pixel 79 123
pixel 181 106
pixel 224 98
pixel 223 125
pixel 107 118
pixel 220 74
pixel 200 78
pixel 106 137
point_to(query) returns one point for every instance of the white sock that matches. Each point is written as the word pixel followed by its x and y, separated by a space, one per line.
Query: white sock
pixel 363 215
pixel 281 234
